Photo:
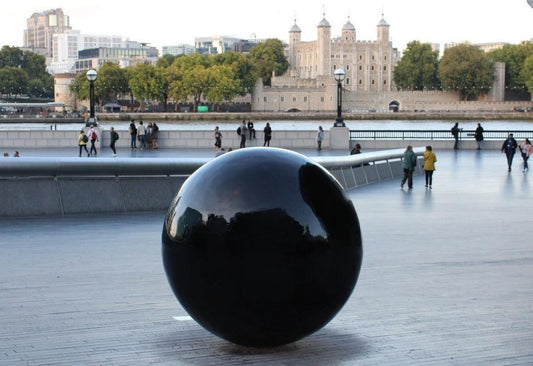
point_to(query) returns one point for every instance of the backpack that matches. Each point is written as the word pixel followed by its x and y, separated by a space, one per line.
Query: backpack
pixel 94 136
pixel 239 130
pixel 85 138
pixel 116 135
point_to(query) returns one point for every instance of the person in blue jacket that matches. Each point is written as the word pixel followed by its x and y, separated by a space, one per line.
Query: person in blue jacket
pixel 408 165
pixel 509 148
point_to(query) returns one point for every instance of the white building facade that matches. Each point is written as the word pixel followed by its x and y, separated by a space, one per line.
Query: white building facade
pixel 67 46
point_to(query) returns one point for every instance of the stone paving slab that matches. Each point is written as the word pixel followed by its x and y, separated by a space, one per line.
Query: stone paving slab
pixel 446 280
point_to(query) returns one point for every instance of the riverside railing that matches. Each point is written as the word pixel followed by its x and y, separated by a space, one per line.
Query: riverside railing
pixel 434 134
pixel 61 186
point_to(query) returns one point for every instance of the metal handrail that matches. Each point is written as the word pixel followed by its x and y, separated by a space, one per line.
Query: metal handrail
pixel 435 134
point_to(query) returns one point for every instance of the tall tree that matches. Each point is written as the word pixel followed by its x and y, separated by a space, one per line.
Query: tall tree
pixel 514 57
pixel 243 69
pixel 527 74
pixel 11 56
pixel 269 58
pixel 418 68
pixel 467 69
pixel 13 80
pixel 111 82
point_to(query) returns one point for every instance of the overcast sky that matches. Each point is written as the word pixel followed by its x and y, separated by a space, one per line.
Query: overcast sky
pixel 154 22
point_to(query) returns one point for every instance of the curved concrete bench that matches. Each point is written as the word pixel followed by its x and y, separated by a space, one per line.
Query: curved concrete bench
pixel 63 186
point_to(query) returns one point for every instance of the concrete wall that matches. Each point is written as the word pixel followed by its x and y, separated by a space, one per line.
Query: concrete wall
pixel 10 140
pixel 337 138
pixel 37 196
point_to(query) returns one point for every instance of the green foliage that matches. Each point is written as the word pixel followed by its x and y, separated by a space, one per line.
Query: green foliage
pixel 111 82
pixel 269 58
pixel 527 74
pixel 242 67
pixel 514 57
pixel 467 69
pixel 13 80
pixel 36 81
pixel 418 68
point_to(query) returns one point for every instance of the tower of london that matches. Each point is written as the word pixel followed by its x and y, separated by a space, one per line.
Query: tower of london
pixel 309 83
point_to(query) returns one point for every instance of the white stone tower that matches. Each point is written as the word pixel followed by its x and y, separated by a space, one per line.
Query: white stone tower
pixel 324 48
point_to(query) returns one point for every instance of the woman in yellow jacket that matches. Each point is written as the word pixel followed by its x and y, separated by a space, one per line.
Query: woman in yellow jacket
pixel 429 165
pixel 82 142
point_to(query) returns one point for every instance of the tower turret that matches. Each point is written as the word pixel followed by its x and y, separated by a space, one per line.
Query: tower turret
pixel 383 31
pixel 324 48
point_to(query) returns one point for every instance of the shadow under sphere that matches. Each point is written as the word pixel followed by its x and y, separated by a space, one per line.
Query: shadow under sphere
pixel 261 246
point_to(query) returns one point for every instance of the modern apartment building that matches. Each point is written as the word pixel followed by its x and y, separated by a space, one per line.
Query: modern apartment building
pixel 134 53
pixel 66 47
pixel 181 49
pixel 41 28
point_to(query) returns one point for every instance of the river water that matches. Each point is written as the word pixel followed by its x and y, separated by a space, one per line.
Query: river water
pixel 285 125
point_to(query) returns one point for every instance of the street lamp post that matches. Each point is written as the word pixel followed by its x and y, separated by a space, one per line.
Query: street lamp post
pixel 91 76
pixel 339 75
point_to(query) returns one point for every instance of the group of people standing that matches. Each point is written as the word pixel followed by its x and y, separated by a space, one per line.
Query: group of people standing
pixel 144 135
pixel 245 129
pixel 478 135
pixel 409 162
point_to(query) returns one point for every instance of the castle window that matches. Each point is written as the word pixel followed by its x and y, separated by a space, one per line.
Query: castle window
pixel 322 99
pixel 384 68
pixel 384 82
pixel 264 99
pixel 305 99
pixel 372 58
pixel 373 82
pixel 347 67
pixel 372 68
pixel 282 99
pixel 334 67
pixel 347 81
pixel 360 68
pixel 294 99
pixel 360 82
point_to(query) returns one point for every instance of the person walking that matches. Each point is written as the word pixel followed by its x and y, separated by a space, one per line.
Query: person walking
pixel 408 166
pixel 526 149
pixel 455 132
pixel 82 142
pixel 114 137
pixel 243 131
pixel 429 165
pixel 509 148
pixel 141 132
pixel 218 139
pixel 319 137
pixel 133 134
pixel 93 136
pixel 479 135
pixel 268 134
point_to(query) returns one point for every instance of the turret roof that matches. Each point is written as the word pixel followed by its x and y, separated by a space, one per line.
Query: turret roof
pixel 324 23
pixel 348 26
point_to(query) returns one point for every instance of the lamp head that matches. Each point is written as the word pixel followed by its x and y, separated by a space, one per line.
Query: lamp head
pixel 92 75
pixel 339 75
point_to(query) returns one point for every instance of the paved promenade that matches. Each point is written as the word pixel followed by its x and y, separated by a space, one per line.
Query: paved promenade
pixel 447 279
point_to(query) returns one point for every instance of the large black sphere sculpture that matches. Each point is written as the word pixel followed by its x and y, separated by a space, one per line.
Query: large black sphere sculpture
pixel 261 246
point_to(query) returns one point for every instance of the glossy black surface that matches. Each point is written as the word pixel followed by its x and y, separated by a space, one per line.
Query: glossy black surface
pixel 261 246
